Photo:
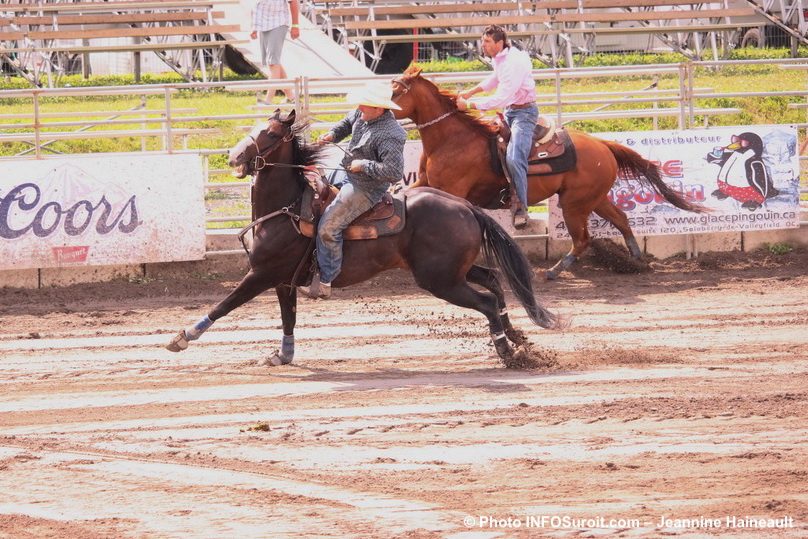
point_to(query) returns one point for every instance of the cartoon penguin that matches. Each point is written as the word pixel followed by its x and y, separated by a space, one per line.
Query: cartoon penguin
pixel 743 175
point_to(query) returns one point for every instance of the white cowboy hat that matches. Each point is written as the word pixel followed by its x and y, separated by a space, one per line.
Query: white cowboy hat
pixel 373 95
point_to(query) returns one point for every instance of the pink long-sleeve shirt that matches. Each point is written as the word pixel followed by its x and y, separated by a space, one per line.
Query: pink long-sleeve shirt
pixel 513 79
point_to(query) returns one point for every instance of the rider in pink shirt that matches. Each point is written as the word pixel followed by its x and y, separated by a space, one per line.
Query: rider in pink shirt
pixel 515 92
pixel 512 78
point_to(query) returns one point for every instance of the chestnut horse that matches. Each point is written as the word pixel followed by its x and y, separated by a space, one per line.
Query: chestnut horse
pixel 280 257
pixel 457 159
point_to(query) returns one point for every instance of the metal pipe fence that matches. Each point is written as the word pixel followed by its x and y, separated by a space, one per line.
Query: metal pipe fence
pixel 320 100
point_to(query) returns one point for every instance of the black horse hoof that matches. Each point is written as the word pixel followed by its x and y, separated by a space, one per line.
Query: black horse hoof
pixel 504 350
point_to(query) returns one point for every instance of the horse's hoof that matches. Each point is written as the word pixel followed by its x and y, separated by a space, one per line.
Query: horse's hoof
pixel 178 343
pixel 504 350
pixel 275 360
pixel 516 336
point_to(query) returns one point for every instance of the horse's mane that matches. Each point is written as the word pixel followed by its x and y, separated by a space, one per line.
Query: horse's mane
pixel 474 122
pixel 304 153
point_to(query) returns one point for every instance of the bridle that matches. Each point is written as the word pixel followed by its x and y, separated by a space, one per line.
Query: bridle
pixel 407 88
pixel 260 162
pixel 400 82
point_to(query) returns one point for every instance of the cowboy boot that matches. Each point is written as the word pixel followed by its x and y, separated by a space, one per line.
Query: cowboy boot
pixel 316 290
pixel 520 218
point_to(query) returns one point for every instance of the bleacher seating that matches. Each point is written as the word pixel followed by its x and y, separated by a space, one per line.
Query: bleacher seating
pixel 36 38
pixel 562 26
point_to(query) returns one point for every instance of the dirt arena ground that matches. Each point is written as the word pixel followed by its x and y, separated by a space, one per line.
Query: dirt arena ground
pixel 676 404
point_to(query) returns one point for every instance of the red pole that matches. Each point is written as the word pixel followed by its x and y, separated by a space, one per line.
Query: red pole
pixel 415 46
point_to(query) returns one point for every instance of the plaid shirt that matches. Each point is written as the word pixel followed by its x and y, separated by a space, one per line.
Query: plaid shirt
pixel 270 14
pixel 379 142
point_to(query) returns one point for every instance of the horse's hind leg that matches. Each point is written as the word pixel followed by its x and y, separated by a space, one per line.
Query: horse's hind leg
pixel 618 218
pixel 487 278
pixel 250 286
pixel 461 294
pixel 577 228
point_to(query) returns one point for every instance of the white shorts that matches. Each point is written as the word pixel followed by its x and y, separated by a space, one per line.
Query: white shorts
pixel 272 45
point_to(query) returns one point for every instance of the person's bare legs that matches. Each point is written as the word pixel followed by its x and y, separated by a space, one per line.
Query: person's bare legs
pixel 276 71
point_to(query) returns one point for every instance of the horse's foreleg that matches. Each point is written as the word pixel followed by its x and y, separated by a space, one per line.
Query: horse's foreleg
pixel 287 299
pixel 618 218
pixel 487 278
pixel 576 226
pixel 250 286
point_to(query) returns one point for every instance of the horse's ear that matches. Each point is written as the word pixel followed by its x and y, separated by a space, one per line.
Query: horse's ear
pixel 413 71
pixel 290 118
pixel 276 115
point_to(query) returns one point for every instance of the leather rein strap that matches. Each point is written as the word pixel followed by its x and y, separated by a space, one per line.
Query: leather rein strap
pixel 286 210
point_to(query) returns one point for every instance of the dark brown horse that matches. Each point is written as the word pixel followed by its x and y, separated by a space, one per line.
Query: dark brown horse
pixel 440 242
pixel 457 159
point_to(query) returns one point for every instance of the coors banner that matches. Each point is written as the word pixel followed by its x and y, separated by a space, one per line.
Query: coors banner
pixel 99 210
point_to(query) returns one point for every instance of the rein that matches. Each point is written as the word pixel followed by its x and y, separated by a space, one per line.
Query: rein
pixel 286 210
pixel 260 162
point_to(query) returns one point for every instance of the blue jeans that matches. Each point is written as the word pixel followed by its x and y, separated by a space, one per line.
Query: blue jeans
pixel 349 204
pixel 522 123
pixel 338 177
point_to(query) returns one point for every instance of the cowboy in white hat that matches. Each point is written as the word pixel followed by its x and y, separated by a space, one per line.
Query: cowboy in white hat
pixel 373 95
pixel 374 160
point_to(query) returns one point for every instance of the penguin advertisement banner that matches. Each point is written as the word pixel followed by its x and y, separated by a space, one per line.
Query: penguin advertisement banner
pixel 747 175
pixel 101 210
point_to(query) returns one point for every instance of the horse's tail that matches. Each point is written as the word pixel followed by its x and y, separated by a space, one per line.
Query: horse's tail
pixel 634 166
pixel 500 249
